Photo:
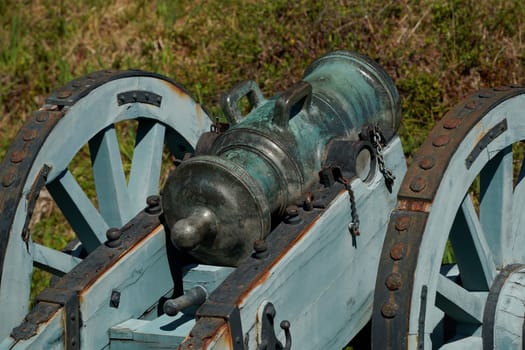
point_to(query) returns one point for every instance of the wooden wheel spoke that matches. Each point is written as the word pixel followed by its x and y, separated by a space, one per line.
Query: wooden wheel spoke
pixel 52 260
pixel 459 303
pixel 495 207
pixel 110 181
pixel 472 343
pixel 146 164
pixel 81 214
pixel 473 254
pixel 518 224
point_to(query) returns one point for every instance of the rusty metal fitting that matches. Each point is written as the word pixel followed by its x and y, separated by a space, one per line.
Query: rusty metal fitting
pixel 42 116
pixel 402 223
pixel 18 156
pixel 450 124
pixel 64 94
pixel 473 104
pixel 393 281
pixel 291 215
pixel 389 310
pixel 486 94
pixel 113 235
pixel 9 178
pixel 308 203
pixel 30 135
pixel 153 205
pixel 261 249
pixel 398 251
pixel 427 163
pixel 441 140
pixel 418 184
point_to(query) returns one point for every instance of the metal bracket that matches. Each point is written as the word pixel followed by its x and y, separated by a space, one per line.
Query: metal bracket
pixel 69 299
pixel 497 130
pixel 231 314
pixel 268 339
pixel 139 96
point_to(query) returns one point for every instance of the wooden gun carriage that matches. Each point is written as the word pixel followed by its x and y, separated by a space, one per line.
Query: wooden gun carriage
pixel 299 226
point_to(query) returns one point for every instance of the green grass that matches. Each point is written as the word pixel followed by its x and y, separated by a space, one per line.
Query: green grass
pixel 435 50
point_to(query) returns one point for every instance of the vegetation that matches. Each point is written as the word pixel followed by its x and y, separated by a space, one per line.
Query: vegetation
pixel 436 51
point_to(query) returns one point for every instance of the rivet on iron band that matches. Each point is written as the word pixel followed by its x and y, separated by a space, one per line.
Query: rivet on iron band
pixel 29 135
pixel 486 94
pixel 450 124
pixel 418 184
pixel 393 281
pixel 76 83
pixel 9 178
pixel 389 310
pixel 473 104
pixel 501 88
pixel 18 156
pixel 402 223
pixel 427 163
pixel 441 141
pixel 398 251
pixel 64 94
pixel 42 116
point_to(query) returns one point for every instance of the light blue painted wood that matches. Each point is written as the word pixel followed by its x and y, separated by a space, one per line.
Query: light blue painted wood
pixel 53 260
pixel 207 276
pixel 510 311
pixel 495 205
pixel 450 197
pixel 471 249
pixel 335 273
pixel 142 276
pixel 110 181
pixel 460 304
pixel 94 112
pixel 518 222
pixel 146 164
pixel 49 336
pixel 470 343
pixel 89 226
pixel 165 330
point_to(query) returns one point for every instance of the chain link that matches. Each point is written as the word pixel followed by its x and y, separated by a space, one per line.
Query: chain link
pixel 377 143
pixel 354 224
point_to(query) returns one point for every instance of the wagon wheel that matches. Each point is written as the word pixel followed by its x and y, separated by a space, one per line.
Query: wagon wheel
pixel 85 112
pixel 418 303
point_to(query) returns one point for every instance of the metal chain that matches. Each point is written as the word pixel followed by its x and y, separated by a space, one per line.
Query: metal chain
pixel 377 137
pixel 353 226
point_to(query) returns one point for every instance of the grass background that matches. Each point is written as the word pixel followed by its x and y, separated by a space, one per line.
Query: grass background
pixel 436 51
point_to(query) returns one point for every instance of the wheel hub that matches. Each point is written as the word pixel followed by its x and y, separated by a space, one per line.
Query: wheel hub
pixel 503 319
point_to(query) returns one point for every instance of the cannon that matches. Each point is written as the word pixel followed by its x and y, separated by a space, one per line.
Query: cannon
pixel 300 211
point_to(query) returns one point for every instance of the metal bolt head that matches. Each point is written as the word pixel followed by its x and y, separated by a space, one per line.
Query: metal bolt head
pixel 473 104
pixel 18 156
pixel 113 235
pixel 9 178
pixel 485 94
pixel 64 94
pixel 398 251
pixel 42 116
pixel 402 223
pixel 153 205
pixel 427 163
pixel 418 184
pixel 260 245
pixel 393 281
pixel 450 124
pixel 389 310
pixel 441 140
pixel 29 135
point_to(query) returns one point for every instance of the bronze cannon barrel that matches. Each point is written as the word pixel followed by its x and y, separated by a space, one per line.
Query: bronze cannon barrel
pixel 216 205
